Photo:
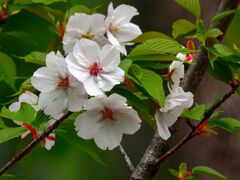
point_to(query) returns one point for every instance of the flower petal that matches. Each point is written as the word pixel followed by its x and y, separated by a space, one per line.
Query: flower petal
pixel 44 79
pixel 87 51
pixel 28 97
pixel 86 124
pixel 108 80
pixel 56 62
pixel 162 125
pixel 97 26
pixel 53 103
pixel 79 22
pixel 92 87
pixel 128 32
pixel 14 107
pixel 77 69
pixel 107 137
pixel 110 58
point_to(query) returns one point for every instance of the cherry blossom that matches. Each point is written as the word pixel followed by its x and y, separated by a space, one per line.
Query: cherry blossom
pixel 59 89
pixel 82 25
pixel 106 120
pixel 167 115
pixel 96 68
pixel 119 28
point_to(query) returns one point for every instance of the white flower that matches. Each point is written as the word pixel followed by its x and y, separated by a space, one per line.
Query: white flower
pixel 176 70
pixel 119 29
pixel 59 90
pixel 96 68
pixel 175 103
pixel 106 120
pixel 81 25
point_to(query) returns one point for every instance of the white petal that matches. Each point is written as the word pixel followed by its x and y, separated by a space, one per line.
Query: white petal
pixel 86 124
pixel 28 97
pixel 110 58
pixel 56 63
pixel 181 56
pixel 86 51
pixel 49 143
pixel 97 26
pixel 53 102
pixel 96 103
pixel 92 87
pixel 113 40
pixel 69 41
pixel 162 126
pixel 127 122
pixel 78 69
pixel 177 69
pixel 115 100
pixel 123 14
pixel 14 106
pixel 109 79
pixel 107 137
pixel 45 80
pixel 76 98
pixel 79 22
pixel 128 32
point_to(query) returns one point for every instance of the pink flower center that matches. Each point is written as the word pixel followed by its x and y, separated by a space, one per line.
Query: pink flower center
pixel 95 69
pixel 107 113
pixel 63 82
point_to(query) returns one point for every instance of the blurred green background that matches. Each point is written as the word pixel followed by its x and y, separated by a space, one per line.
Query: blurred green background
pixel 68 160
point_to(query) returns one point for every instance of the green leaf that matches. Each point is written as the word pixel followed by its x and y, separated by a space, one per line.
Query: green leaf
pixel 125 64
pixel 221 71
pixel 9 175
pixel 47 2
pixel 7 134
pixel 26 113
pixel 221 15
pixel 207 171
pixel 173 172
pixel 195 113
pixel 151 65
pixel 2 124
pixel 35 57
pixel 182 168
pixel 152 83
pixel 193 6
pixel 7 70
pixel 136 71
pixel 150 35
pixel 222 50
pixel 201 31
pixel 214 32
pixel 229 124
pixel 182 27
pixel 155 47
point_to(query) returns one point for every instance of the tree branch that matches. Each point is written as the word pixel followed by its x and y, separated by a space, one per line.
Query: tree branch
pixel 149 164
pixel 30 146
pixel 126 158
pixel 193 133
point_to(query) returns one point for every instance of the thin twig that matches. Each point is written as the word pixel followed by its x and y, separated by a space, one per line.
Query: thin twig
pixel 127 159
pixel 193 133
pixel 30 146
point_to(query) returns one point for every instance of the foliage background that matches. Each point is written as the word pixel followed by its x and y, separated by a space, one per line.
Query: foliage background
pixel 68 161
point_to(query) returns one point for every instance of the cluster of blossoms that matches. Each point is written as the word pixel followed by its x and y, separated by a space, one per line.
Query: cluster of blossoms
pixel 177 100
pixel 79 80
pixel 92 45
